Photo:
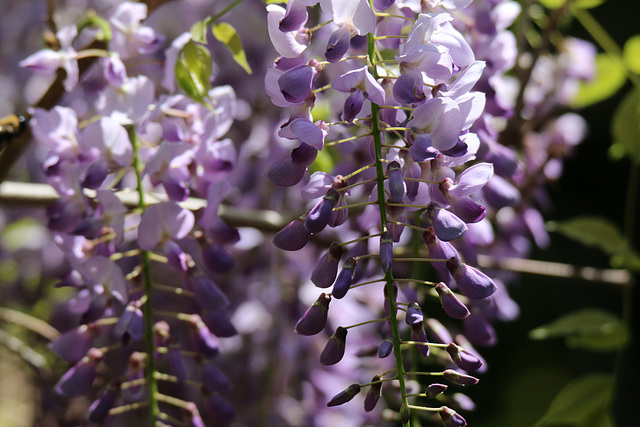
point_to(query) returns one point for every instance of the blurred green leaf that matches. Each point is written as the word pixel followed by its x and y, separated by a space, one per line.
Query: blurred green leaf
pixel 92 20
pixel 625 127
pixel 226 34
pixel 325 161
pixel 582 403
pixel 199 30
pixel 193 71
pixel 25 233
pixel 588 329
pixel 631 54
pixel 610 77
pixel 275 1
pixel 581 4
pixel 591 231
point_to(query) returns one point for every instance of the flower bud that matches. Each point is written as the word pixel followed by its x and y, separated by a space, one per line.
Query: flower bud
pixel 318 218
pixel 176 363
pixel 396 182
pixel 338 44
pixel 438 331
pixel 292 237
pixel 220 409
pixel 479 330
pixel 450 302
pixel 414 315
pixel 74 344
pixel 345 278
pixel 446 225
pixel 386 251
pixel 419 335
pixel 405 414
pixel 472 282
pixel 217 259
pixel 315 318
pixel 130 322
pixel 462 358
pixel 99 409
pixel 334 350
pixel 345 395
pixel 79 378
pixel 386 346
pixel 326 270
pixel 371 399
pixel 207 294
pixel 353 105
pixel 219 323
pixel 451 418
pixel 460 379
pixel 205 341
pixel 214 379
pixel 434 390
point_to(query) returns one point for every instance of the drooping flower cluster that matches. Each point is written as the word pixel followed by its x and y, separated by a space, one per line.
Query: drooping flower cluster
pixel 428 122
pixel 148 307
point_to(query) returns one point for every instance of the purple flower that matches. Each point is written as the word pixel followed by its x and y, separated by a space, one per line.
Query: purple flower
pixel 451 418
pixel 217 259
pixel 446 225
pixel 318 218
pixel 345 395
pixel 296 83
pixel 214 379
pixel 434 390
pixel 335 347
pixel 386 251
pixel 373 395
pixel 458 378
pixel 396 182
pixel 338 44
pixel 386 347
pixel 177 364
pixel 326 270
pixel 207 294
pixel 409 88
pixel 414 314
pixel 99 409
pixel 129 37
pixel 419 335
pixel 462 358
pixel 48 61
pixel 289 44
pixel 79 378
pixel 472 282
pixel 295 16
pixel 292 237
pixel 130 322
pixel 205 341
pixel 450 302
pixel 360 80
pixel 74 344
pixel 345 278
pixel 161 222
pixel 315 318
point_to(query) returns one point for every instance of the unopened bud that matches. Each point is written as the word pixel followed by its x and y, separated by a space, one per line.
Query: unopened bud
pixel 345 395
pixel 451 418
pixel 345 278
pixel 434 390
pixel 460 379
pixel 462 358
pixel 451 304
pixel 386 251
pixel 334 349
pixel 315 318
pixel 371 399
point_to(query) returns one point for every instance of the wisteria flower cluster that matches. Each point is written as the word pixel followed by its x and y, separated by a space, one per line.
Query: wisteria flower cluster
pixel 361 215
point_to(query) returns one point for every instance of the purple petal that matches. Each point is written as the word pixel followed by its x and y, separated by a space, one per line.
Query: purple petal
pixel 292 237
pixel 295 16
pixel 296 83
pixel 353 105
pixel 447 225
pixel 338 44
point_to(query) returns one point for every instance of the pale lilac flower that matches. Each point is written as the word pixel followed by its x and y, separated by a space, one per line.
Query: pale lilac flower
pixel 130 38
pixel 161 222
pixel 48 61
pixel 289 44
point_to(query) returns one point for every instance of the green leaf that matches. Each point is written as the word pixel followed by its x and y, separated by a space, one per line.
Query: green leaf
pixel 588 329
pixel 625 128
pixel 226 34
pixel 25 233
pixel 631 54
pixel 582 403
pixel 199 30
pixel 193 71
pixel 581 4
pixel 591 231
pixel 610 77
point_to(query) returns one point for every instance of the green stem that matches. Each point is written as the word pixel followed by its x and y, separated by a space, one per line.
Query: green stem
pixel 225 10
pixel 377 140
pixel 147 284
